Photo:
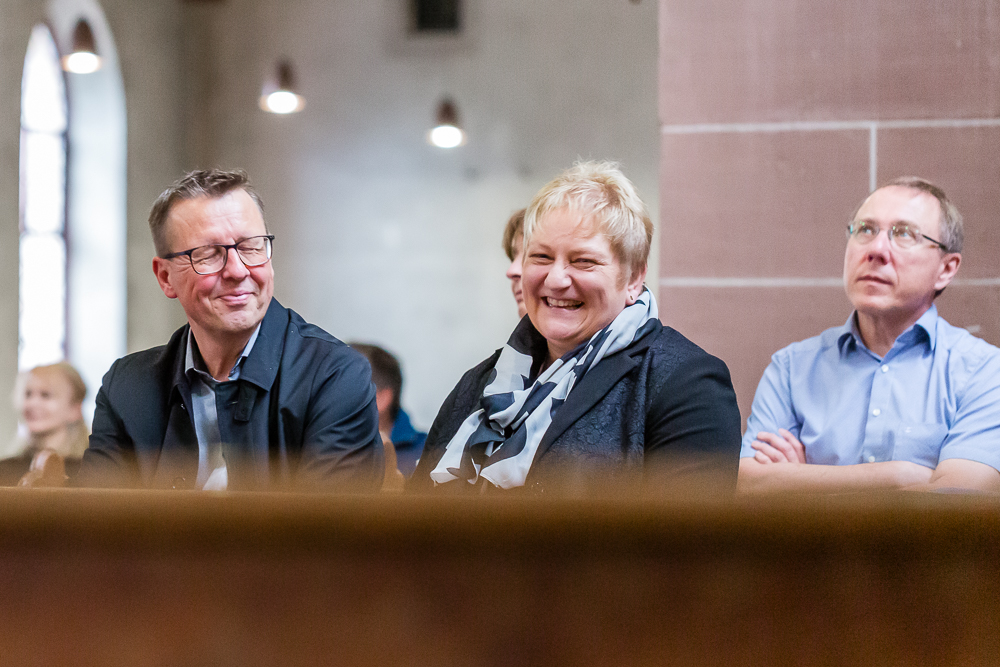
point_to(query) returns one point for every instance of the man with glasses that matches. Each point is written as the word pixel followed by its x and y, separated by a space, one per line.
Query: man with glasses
pixel 247 395
pixel 896 397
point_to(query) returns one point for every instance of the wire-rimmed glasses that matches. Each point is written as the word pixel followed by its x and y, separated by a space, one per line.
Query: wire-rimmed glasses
pixel 902 235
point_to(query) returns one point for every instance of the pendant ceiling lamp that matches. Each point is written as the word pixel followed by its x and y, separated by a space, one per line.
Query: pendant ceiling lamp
pixel 83 59
pixel 279 95
pixel 446 133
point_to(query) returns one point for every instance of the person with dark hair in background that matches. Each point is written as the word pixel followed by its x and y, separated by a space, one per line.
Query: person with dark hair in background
pixel 246 395
pixel 394 423
pixel 513 246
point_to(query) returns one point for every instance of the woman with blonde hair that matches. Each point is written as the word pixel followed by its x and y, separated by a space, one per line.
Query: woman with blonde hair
pixel 49 403
pixel 591 392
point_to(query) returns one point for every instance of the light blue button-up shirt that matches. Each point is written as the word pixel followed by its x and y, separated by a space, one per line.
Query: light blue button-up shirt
pixel 934 396
pixel 212 472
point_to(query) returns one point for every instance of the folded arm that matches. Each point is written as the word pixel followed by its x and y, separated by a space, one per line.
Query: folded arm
pixel 774 459
pixel 962 474
pixel 779 465
pixel 757 477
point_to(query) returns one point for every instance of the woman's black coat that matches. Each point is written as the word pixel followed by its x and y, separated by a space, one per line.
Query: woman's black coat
pixel 661 413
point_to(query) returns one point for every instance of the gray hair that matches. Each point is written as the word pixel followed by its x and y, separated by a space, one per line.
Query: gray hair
pixel 952 226
pixel 194 184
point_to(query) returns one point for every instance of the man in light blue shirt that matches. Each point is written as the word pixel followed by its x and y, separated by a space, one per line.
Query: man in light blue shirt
pixel 896 397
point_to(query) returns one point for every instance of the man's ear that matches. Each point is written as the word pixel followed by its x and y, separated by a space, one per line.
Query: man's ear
pixel 161 269
pixel 383 399
pixel 949 267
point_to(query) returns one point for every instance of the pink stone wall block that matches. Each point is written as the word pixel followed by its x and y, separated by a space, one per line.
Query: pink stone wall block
pixel 777 118
pixel 974 307
pixel 965 161
pixel 759 203
pixel 744 326
pixel 727 61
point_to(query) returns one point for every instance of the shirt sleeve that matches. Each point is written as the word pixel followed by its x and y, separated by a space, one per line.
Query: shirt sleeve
pixel 693 427
pixel 341 446
pixel 772 404
pixel 975 432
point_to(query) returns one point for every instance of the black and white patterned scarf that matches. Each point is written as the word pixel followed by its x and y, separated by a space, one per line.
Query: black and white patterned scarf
pixel 498 441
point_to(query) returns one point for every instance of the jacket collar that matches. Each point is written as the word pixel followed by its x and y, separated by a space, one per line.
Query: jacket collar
pixel 194 364
pixel 402 430
pixel 260 368
pixel 595 385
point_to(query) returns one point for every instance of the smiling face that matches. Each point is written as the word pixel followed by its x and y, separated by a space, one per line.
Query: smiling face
pixel 224 306
pixel 883 281
pixel 573 283
pixel 48 404
pixel 514 274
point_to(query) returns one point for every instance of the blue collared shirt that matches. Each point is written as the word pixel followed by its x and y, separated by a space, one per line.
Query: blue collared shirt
pixel 212 474
pixel 934 396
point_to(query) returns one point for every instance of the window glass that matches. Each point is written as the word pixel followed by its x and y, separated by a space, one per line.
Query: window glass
pixel 42 295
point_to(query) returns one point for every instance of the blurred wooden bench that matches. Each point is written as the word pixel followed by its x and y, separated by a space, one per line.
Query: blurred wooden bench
pixel 186 578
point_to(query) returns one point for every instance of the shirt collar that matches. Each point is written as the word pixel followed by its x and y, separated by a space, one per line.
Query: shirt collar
pixel 927 323
pixel 193 363
pixel 402 429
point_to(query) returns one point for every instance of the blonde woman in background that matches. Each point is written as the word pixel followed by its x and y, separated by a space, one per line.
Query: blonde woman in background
pixel 49 402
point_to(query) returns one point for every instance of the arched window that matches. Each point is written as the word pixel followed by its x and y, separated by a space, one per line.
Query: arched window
pixel 43 253
pixel 73 180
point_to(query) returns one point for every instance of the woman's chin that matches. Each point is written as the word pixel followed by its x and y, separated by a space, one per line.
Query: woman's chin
pixel 41 430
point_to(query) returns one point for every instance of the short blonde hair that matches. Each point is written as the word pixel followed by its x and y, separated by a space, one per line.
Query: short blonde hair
pixel 600 192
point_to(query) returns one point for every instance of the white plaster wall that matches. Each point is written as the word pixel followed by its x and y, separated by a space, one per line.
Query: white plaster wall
pixel 17 17
pixel 381 237
pixel 148 37
pixel 96 201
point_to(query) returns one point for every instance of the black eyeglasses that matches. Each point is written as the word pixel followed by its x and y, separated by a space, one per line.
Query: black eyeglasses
pixel 209 259
pixel 901 234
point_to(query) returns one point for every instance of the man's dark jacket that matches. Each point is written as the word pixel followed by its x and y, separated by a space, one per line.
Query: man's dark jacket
pixel 301 415
pixel 660 416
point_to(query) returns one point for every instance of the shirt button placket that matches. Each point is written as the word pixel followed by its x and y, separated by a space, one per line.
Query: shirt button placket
pixel 875 448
